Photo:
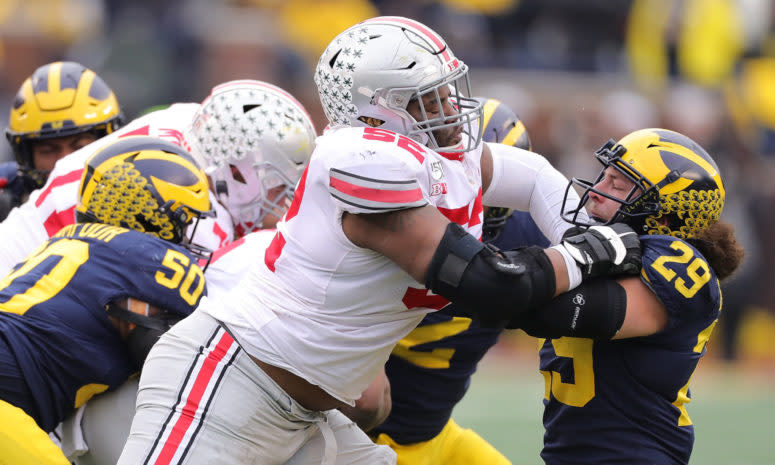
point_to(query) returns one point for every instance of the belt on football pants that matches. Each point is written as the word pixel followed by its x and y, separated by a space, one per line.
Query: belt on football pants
pixel 320 418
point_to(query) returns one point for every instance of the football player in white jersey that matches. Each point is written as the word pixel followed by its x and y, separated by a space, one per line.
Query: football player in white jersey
pixel 253 140
pixel 221 134
pixel 383 228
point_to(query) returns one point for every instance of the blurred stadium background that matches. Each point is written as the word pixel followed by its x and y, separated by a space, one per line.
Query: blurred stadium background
pixel 577 73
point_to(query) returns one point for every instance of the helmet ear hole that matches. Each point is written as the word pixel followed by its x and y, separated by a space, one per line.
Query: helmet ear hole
pixel 332 61
pixel 180 217
pixel 236 174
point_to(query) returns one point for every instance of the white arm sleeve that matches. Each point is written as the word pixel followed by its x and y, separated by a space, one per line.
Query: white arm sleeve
pixel 20 233
pixel 50 208
pixel 526 181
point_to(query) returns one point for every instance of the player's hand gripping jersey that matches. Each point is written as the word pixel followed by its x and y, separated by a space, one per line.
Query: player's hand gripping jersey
pixel 347 306
pixel 636 388
pixel 52 207
pixel 57 335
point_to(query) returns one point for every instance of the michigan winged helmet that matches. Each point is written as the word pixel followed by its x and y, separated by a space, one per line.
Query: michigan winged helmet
pixel 59 99
pixel 677 189
pixel 146 184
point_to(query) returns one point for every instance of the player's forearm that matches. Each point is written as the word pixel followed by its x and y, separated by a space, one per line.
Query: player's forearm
pixel 374 405
pixel 407 237
pixel 526 181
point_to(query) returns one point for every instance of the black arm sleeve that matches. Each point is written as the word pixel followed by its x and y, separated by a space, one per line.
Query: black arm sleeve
pixel 595 309
pixel 148 330
pixel 492 285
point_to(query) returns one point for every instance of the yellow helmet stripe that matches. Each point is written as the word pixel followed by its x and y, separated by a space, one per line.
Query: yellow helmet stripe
pixel 195 196
pixel 686 152
pixel 56 99
pixel 689 154
pixel 489 110
pixel 514 134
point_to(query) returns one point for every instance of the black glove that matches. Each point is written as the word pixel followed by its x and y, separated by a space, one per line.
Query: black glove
pixel 605 250
pixel 7 202
pixel 574 231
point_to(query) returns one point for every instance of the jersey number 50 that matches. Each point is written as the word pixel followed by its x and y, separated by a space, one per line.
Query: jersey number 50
pixel 187 277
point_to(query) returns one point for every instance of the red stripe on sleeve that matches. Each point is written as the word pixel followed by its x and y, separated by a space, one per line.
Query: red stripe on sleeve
pixel 72 176
pixel 297 196
pixel 477 210
pixel 142 131
pixel 274 250
pixel 376 195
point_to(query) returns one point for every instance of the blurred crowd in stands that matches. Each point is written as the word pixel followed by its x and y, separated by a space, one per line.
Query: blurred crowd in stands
pixel 577 73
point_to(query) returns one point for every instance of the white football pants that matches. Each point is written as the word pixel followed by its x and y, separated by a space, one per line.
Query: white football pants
pixel 202 400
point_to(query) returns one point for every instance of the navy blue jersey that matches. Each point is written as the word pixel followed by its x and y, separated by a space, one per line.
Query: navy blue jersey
pixel 520 230
pixel 54 331
pixel 624 401
pixel 430 369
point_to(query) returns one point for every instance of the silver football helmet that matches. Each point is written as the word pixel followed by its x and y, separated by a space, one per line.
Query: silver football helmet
pixel 252 138
pixel 370 72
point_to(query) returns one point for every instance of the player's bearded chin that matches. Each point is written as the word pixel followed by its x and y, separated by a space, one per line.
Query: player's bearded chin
pixel 442 136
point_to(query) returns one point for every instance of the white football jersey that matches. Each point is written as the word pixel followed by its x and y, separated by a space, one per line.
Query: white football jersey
pixel 52 207
pixel 228 265
pixel 321 307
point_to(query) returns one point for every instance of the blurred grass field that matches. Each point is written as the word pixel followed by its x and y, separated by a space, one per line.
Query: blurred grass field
pixel 732 407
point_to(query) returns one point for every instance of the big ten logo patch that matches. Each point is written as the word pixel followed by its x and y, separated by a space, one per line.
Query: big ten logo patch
pixel 437 174
pixel 438 188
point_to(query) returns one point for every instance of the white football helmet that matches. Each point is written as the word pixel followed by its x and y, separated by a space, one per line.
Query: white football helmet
pixel 251 137
pixel 370 72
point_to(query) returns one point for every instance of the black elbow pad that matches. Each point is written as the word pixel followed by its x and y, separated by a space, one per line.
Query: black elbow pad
pixel 139 343
pixel 148 330
pixel 491 285
pixel 595 309
pixel 141 339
